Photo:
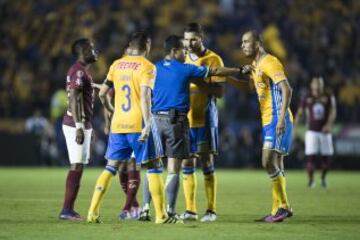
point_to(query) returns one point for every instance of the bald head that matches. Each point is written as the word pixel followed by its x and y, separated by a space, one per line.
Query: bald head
pixel 251 43
pixel 255 36
pixel 317 86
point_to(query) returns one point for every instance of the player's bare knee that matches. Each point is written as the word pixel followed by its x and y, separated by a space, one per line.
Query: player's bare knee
pixel 265 161
pixel 206 160
pixel 272 169
pixel 131 165
pixel 77 167
pixel 174 166
pixel 156 163
pixel 188 163
pixel 270 165
pixel 114 163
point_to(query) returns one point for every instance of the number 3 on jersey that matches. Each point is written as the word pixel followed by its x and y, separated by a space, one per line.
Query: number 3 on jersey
pixel 126 107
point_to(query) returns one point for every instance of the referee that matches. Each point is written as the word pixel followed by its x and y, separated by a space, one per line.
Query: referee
pixel 170 105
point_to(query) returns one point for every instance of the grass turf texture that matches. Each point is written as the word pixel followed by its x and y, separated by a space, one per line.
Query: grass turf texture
pixel 31 198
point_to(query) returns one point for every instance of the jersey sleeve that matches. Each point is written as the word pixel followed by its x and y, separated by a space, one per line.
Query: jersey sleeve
pixel 110 75
pixel 148 75
pixel 274 70
pixel 197 71
pixel 76 79
pixel 216 61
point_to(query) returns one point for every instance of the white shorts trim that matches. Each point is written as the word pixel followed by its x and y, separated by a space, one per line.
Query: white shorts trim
pixel 77 153
pixel 318 143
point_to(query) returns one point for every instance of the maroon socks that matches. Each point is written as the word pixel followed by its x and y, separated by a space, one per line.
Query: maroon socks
pixel 325 164
pixel 132 188
pixel 72 188
pixel 310 167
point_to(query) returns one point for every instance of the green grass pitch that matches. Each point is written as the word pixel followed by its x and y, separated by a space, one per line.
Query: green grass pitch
pixel 31 198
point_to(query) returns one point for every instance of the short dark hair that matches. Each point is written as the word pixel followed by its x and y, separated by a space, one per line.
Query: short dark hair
pixel 256 35
pixel 139 40
pixel 78 45
pixel 171 42
pixel 194 27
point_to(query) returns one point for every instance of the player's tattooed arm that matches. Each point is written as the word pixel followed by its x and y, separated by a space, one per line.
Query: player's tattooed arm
pixel 108 115
pixel 214 89
pixel 332 116
pixel 241 84
pixel 286 93
pixel 96 85
pixel 76 107
pixel 105 87
pixel 145 103
pixel 226 71
pixel 223 71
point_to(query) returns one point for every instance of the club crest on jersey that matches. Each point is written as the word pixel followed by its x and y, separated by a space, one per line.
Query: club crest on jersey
pixel 279 75
pixel 259 73
pixel 260 85
pixel 79 73
pixel 78 81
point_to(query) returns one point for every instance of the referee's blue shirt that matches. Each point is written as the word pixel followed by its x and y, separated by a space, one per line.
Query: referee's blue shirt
pixel 172 85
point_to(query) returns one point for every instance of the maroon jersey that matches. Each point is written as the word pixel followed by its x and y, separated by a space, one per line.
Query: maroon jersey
pixel 79 78
pixel 317 109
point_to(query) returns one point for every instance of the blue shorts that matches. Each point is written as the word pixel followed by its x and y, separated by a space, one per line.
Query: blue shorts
pixel 272 141
pixel 122 145
pixel 204 140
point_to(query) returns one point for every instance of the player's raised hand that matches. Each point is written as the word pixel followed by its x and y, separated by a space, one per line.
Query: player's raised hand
pixel 280 127
pixel 79 136
pixel 144 134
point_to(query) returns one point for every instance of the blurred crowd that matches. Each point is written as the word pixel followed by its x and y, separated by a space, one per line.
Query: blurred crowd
pixel 311 38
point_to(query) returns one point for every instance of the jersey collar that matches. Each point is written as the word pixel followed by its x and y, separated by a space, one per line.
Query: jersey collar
pixel 257 63
pixel 191 55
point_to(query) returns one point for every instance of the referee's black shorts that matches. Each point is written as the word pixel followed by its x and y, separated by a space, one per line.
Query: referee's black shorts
pixel 171 138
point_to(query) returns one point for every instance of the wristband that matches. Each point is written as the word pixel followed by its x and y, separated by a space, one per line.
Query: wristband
pixel 79 125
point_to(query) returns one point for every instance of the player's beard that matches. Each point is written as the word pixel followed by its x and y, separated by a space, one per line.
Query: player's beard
pixel 249 54
pixel 194 49
pixel 91 59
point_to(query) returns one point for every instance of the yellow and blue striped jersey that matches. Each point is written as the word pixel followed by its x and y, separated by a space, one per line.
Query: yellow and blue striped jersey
pixel 199 101
pixel 267 73
pixel 128 74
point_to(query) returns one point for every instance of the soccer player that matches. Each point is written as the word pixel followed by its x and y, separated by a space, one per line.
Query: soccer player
pixel 203 119
pixel 132 78
pixel 77 126
pixel 274 94
pixel 129 174
pixel 320 109
pixel 171 104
